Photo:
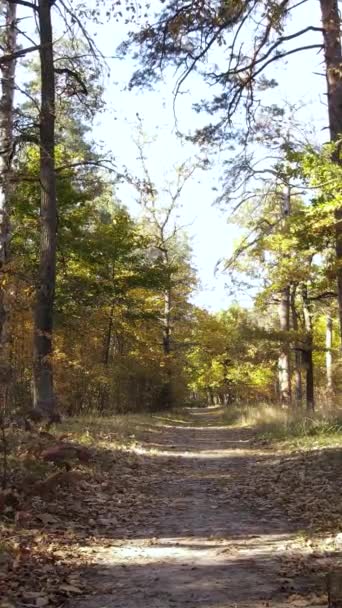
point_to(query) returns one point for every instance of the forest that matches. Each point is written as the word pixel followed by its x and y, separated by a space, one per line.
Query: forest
pixel 115 372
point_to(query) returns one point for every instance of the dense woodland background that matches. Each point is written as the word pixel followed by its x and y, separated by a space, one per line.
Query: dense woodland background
pixel 96 305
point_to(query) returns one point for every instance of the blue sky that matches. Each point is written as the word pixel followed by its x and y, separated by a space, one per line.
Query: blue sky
pixel 212 237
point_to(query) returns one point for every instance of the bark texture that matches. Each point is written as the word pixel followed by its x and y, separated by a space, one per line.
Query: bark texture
pixel 284 358
pixel 44 397
pixel 108 337
pixel 308 351
pixel 167 396
pixel 298 354
pixel 167 322
pixel 331 23
pixel 7 73
pixel 328 354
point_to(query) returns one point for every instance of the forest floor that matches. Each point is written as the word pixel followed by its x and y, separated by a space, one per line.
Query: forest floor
pixel 190 514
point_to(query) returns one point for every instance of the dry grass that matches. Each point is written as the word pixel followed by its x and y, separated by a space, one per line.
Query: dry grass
pixel 272 422
pixel 116 431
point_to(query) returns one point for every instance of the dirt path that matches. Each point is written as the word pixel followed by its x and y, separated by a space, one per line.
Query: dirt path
pixel 200 545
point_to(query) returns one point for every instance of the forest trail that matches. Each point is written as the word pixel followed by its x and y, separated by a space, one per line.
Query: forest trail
pixel 200 544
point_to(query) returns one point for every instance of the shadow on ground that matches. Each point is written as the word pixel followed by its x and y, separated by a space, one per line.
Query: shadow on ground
pixel 185 534
pixel 212 580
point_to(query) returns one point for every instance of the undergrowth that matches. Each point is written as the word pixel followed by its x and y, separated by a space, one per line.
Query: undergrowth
pixel 276 424
pixel 269 422
pixel 119 430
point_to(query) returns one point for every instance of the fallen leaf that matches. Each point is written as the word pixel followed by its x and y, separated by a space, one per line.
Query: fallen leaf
pixel 42 601
pixel 107 521
pixel 47 518
pixel 70 588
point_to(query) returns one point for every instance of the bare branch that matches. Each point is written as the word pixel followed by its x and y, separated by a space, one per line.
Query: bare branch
pixel 286 54
pixel 20 53
pixel 75 19
pixel 30 5
pixel 75 76
pixel 247 244
pixel 196 60
pixel 101 164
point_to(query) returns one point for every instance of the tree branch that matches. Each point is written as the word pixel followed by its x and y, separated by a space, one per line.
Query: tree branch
pixel 323 296
pixel 24 3
pixel 75 76
pixel 286 54
pixel 20 53
pixel 86 163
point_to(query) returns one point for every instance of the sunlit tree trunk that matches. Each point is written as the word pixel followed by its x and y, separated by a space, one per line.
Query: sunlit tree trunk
pixel 44 397
pixel 284 373
pixel 328 354
pixel 298 354
pixel 308 351
pixel 331 21
pixel 210 396
pixel 284 356
pixel 167 321
pixel 167 396
pixel 7 74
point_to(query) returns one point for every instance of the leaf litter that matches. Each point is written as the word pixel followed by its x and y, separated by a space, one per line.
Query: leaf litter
pixel 49 537
pixel 48 515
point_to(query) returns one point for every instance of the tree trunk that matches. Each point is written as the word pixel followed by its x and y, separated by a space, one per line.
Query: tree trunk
pixel 298 378
pixel 210 396
pixel 284 358
pixel 307 353
pixel 310 393
pixel 108 339
pixel 331 22
pixel 298 355
pixel 44 397
pixel 167 322
pixel 7 73
pixel 328 354
pixel 167 397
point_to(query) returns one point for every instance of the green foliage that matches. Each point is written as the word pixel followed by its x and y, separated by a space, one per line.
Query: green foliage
pixel 230 360
pixel 109 296
pixel 323 176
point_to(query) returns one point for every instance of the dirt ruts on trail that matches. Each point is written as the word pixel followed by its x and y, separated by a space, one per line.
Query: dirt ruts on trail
pixel 203 543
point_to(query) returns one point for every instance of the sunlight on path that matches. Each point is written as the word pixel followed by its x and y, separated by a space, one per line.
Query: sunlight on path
pixel 200 545
pixel 191 551
pixel 202 455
